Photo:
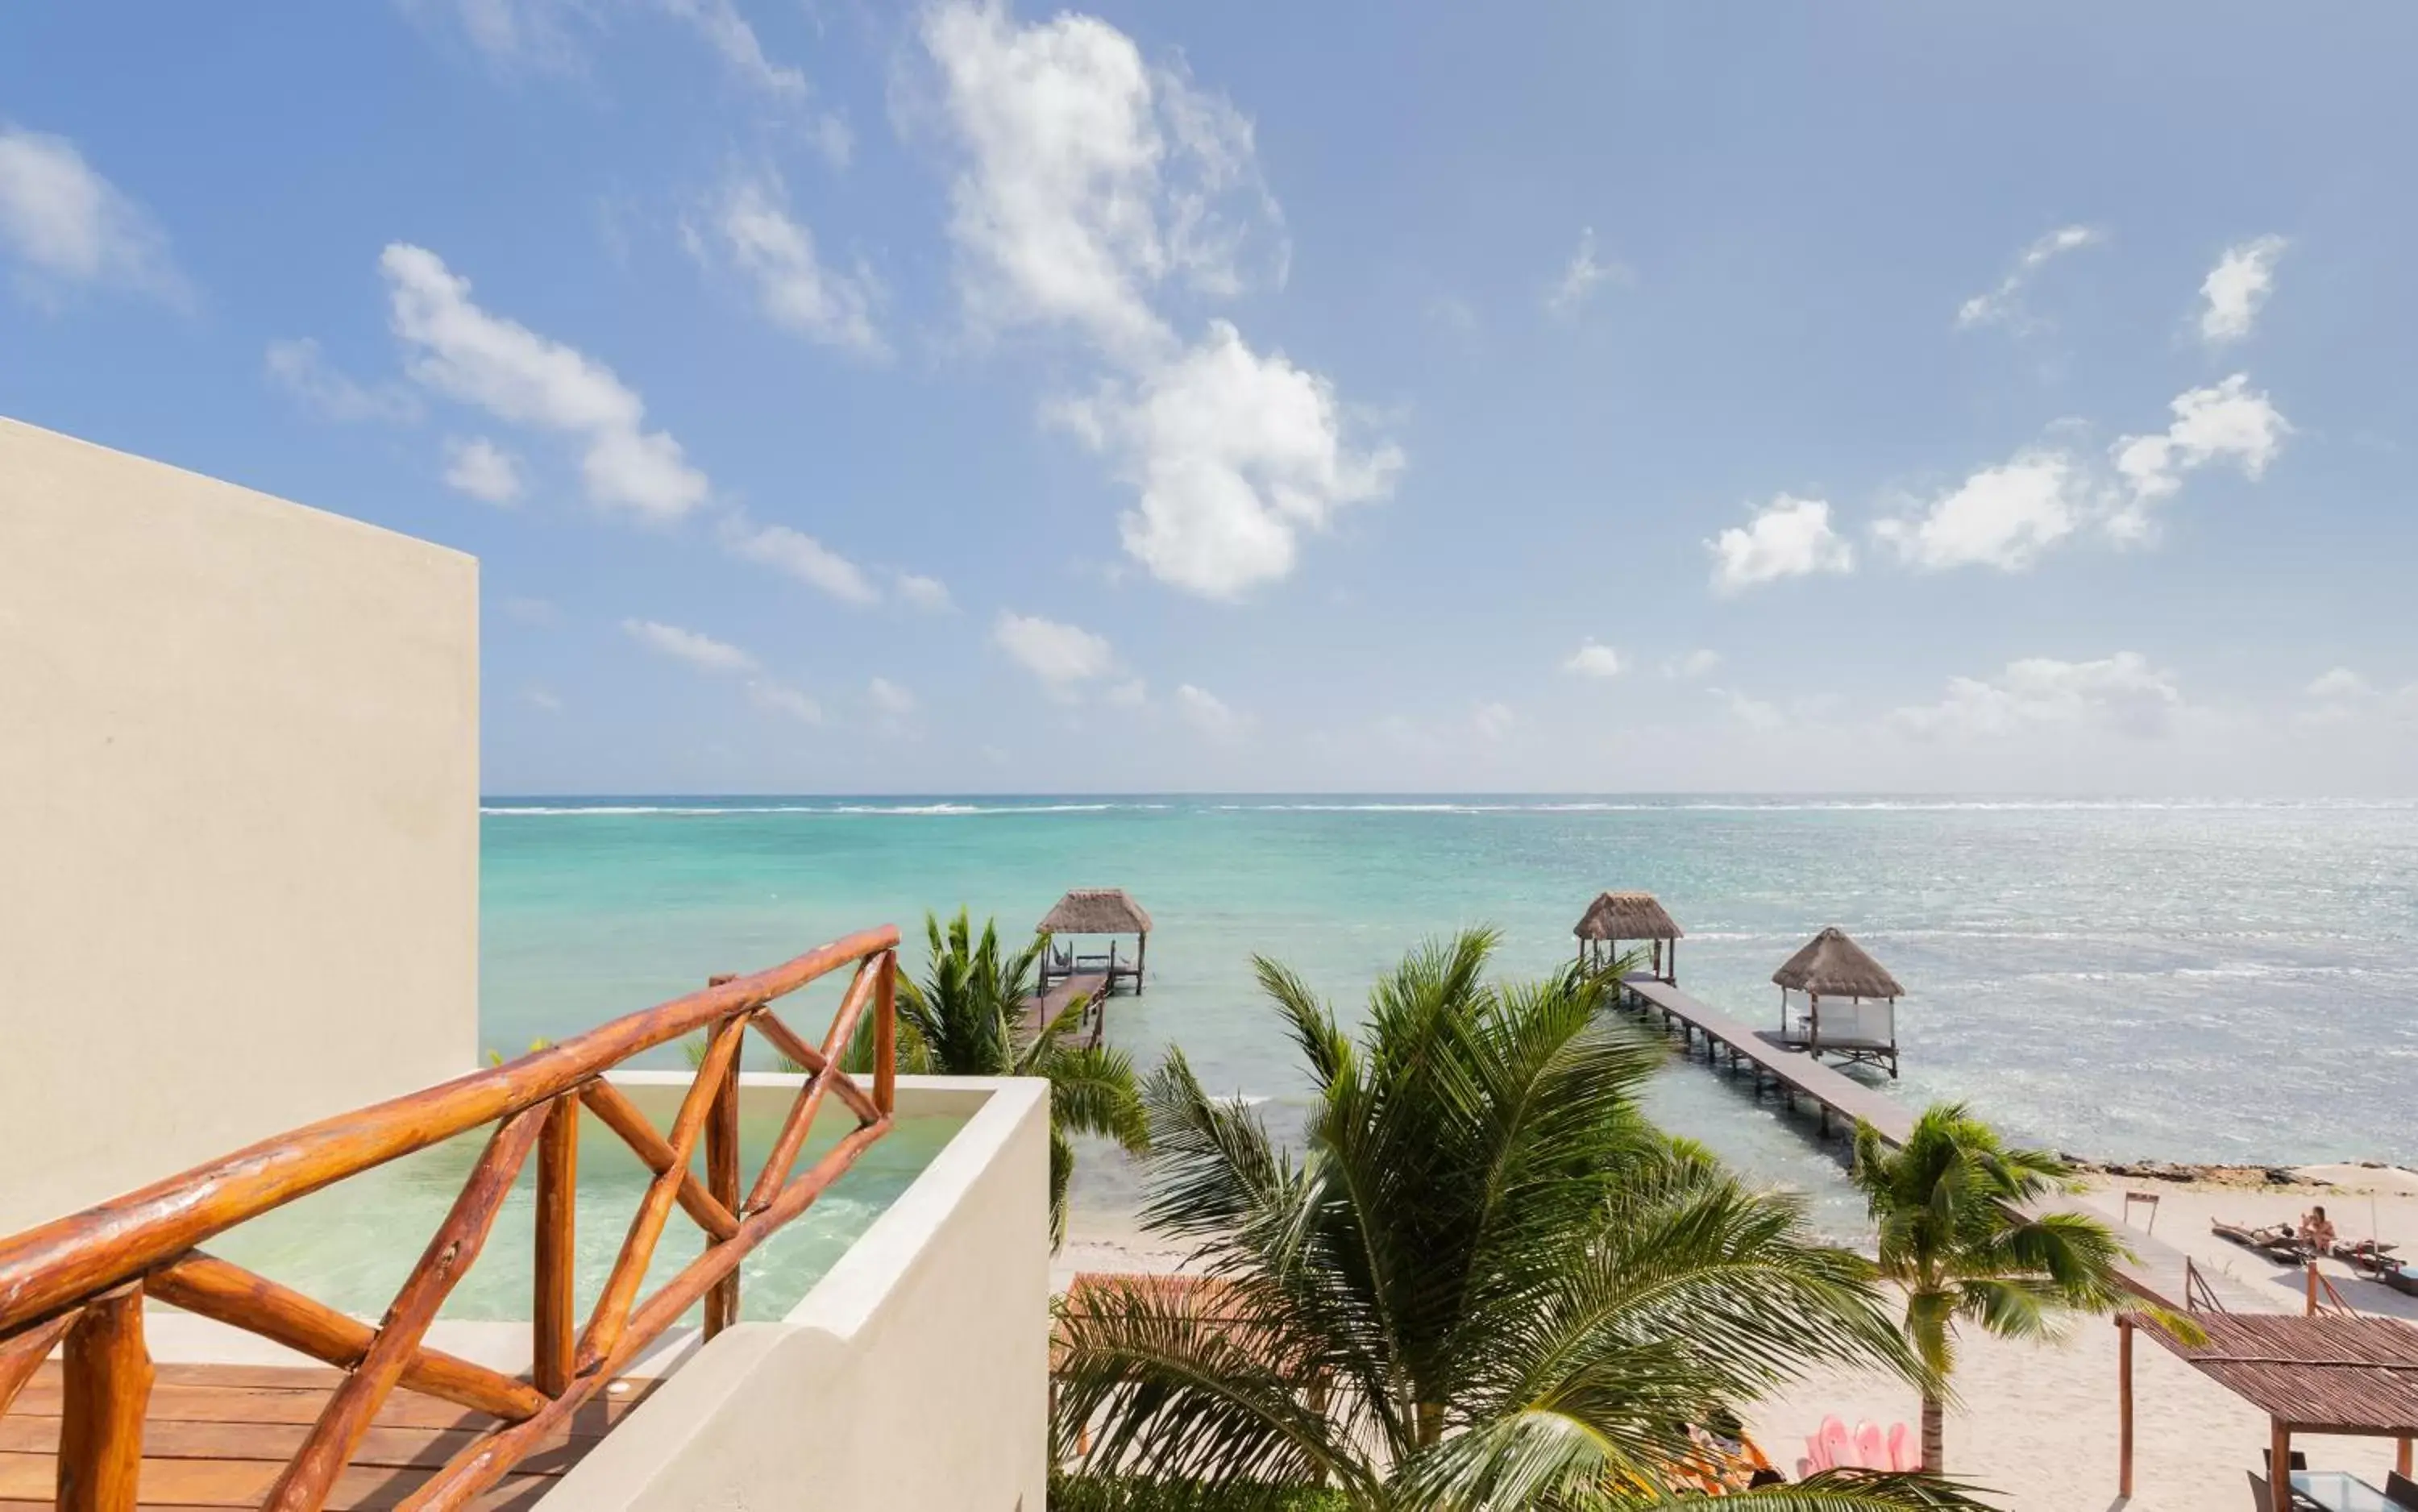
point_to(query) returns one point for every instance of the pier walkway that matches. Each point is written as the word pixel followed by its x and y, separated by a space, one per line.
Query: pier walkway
pixel 2157 1270
pixel 1794 1073
pixel 1043 1007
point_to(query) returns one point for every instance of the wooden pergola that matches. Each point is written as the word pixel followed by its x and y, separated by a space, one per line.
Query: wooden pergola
pixel 1095 911
pixel 1865 1027
pixel 2319 1374
pixel 1614 917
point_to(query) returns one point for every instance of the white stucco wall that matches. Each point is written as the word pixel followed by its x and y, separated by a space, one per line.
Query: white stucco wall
pixel 238 818
pixel 914 1375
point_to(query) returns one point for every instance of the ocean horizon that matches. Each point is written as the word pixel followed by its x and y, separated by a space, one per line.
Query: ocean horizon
pixel 2191 980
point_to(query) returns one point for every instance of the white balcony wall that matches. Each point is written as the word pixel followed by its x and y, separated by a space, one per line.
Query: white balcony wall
pixel 238 818
pixel 915 1374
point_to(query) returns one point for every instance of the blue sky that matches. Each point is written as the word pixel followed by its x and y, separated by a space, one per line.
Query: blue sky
pixel 951 397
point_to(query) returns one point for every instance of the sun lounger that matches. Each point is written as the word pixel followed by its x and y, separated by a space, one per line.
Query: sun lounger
pixel 2402 1278
pixel 1869 1450
pixel 1904 1454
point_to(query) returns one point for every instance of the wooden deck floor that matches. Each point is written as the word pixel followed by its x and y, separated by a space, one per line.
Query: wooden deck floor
pixel 216 1436
pixel 1796 1073
pixel 1041 1009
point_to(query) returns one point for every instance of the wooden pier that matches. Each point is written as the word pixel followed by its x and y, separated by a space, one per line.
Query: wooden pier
pixel 1042 1007
pixel 1792 1071
pixel 2155 1270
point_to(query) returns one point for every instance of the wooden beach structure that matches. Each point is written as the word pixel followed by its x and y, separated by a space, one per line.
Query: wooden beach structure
pixel 1614 917
pixel 1092 912
pixel 393 1420
pixel 1863 1028
pixel 1068 975
pixel 2325 1373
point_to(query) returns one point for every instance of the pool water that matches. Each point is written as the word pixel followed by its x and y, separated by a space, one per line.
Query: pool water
pixel 351 1245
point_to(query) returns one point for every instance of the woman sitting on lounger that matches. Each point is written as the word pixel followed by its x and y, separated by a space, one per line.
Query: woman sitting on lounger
pixel 2316 1233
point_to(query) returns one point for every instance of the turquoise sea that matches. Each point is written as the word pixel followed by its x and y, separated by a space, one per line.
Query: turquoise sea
pixel 2178 980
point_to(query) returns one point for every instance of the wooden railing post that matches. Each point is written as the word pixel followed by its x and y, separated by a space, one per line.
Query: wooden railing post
pixel 555 1319
pixel 722 1178
pixel 107 1387
pixel 885 1035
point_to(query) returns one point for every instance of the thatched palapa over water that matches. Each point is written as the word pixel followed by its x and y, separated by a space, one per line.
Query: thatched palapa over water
pixel 1834 966
pixel 1614 917
pixel 1095 911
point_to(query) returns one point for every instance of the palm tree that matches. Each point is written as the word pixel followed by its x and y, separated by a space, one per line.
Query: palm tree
pixel 966 1018
pixel 1485 1281
pixel 1959 1233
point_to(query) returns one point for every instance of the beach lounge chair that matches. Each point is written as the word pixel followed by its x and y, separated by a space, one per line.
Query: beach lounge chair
pixel 2402 1278
pixel 2401 1489
pixel 1870 1452
pixel 1904 1453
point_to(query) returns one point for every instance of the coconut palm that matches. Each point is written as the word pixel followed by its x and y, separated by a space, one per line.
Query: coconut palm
pixel 1961 1235
pixel 966 1018
pixel 1484 1281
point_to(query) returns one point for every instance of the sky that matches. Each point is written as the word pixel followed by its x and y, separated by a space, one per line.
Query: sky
pixel 954 397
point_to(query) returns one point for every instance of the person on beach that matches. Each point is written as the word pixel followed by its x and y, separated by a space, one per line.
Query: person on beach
pixel 2317 1231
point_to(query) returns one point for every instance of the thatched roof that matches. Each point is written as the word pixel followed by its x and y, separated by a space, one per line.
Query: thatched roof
pixel 1627 916
pixel 1095 911
pixel 1834 966
pixel 2348 1375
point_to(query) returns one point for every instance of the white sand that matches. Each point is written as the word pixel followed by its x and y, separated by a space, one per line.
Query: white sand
pixel 2037 1423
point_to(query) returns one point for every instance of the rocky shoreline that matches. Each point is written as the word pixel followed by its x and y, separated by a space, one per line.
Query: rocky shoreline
pixel 2317 1178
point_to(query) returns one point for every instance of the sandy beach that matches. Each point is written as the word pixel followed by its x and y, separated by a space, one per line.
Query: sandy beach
pixel 2036 1423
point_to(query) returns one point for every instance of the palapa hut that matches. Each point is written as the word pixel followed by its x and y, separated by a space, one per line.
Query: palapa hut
pixel 1859 1022
pixel 1614 917
pixel 1095 911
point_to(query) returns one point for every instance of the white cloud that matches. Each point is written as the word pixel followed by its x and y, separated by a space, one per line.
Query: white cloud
pixel 1132 693
pixel 299 367
pixel 1091 181
pixel 1754 713
pixel 1093 178
pixel 928 594
pixel 698 651
pixel 2003 305
pixel 2237 288
pixel 780 698
pixel 1578 281
pixel 1593 658
pixel 541 700
pixel 2122 694
pixel 515 375
pixel 1695 664
pixel 802 557
pixel 2222 423
pixel 547 35
pixel 1789 538
pixel 67 227
pixel 2004 516
pixel 752 227
pixel 891 698
pixel 2340 683
pixel 1209 715
pixel 533 611
pixel 1234 454
pixel 1491 721
pixel 728 33
pixel 1063 656
pixel 484 470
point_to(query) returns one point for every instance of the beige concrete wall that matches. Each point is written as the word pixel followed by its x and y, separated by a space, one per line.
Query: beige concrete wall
pixel 238 818
pixel 914 1375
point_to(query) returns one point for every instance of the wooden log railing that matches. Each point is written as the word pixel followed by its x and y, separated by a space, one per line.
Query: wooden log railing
pixel 77 1285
